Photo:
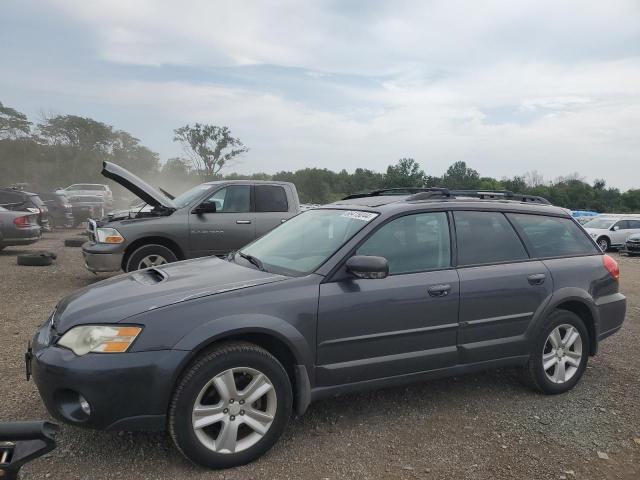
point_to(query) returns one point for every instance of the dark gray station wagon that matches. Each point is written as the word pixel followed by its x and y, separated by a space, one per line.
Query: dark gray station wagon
pixel 372 291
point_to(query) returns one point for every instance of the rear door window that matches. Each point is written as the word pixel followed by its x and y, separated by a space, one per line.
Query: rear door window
pixel 485 238
pixel 271 198
pixel 553 236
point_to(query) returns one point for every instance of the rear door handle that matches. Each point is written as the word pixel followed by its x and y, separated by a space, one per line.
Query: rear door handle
pixel 536 279
pixel 439 290
pixel 243 222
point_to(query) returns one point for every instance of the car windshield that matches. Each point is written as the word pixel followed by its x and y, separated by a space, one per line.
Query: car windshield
pixel 305 242
pixel 190 195
pixel 599 223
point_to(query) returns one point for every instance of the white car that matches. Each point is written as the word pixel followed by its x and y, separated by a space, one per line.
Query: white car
pixel 612 230
pixel 95 189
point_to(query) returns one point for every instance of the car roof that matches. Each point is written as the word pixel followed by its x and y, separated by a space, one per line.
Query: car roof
pixel 391 204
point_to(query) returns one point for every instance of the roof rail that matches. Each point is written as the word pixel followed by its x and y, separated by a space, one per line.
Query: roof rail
pixel 426 193
pixel 398 191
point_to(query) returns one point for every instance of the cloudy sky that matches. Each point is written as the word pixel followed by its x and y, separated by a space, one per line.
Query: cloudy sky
pixel 506 86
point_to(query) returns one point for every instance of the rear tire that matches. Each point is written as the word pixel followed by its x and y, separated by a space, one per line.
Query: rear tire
pixel 230 432
pixel 563 347
pixel 149 256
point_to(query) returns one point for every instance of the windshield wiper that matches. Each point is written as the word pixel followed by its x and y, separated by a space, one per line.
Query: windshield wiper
pixel 254 260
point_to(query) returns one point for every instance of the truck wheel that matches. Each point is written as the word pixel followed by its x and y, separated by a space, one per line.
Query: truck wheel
pixel 40 259
pixel 230 406
pixel 559 355
pixel 150 256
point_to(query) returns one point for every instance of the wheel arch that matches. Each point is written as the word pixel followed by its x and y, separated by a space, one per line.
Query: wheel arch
pixel 152 240
pixel 295 362
pixel 581 304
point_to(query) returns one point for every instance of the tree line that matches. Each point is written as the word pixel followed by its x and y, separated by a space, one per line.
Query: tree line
pixel 59 150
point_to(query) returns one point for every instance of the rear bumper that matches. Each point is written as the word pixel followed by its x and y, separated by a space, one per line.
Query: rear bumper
pixel 612 309
pixel 125 391
pixel 25 236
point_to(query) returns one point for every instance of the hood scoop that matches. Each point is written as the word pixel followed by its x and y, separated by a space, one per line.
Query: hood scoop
pixel 150 276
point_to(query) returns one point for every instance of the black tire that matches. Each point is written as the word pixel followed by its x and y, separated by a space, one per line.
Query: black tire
pixel 39 259
pixel 74 241
pixel 604 243
pixel 153 250
pixel 534 373
pixel 196 377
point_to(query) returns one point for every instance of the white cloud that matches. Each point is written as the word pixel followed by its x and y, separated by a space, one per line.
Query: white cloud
pixel 506 86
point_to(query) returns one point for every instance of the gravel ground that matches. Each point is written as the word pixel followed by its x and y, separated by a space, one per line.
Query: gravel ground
pixel 477 426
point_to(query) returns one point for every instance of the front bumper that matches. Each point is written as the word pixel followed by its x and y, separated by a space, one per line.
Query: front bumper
pixel 632 248
pixel 125 391
pixel 102 257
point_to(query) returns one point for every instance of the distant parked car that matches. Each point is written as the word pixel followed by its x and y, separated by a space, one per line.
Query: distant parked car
pixel 95 189
pixel 25 201
pixel 632 244
pixel 18 228
pixel 60 210
pixel 85 207
pixel 612 230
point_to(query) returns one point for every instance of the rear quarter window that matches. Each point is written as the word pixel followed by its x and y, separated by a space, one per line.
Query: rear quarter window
pixel 553 236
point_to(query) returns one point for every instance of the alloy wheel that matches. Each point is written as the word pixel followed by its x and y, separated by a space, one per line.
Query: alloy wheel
pixel 603 244
pixel 562 353
pixel 152 261
pixel 234 410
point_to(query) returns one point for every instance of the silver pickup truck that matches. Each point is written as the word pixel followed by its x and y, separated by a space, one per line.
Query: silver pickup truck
pixel 213 218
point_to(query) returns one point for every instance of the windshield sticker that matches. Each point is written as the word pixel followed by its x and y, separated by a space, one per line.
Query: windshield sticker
pixel 356 215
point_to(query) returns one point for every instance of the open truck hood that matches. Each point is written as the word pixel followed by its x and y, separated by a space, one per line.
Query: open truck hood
pixel 136 185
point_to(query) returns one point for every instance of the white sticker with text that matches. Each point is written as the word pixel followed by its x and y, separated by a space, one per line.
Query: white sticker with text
pixel 356 215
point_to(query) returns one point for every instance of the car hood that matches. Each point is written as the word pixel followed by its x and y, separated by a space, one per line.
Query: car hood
pixel 118 298
pixel 136 185
pixel 634 237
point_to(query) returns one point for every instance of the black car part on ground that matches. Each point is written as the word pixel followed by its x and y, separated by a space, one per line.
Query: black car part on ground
pixel 74 241
pixel 25 201
pixel 419 193
pixel 36 259
pixel 22 442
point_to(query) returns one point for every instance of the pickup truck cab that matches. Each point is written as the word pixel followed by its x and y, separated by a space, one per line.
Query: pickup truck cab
pixel 213 218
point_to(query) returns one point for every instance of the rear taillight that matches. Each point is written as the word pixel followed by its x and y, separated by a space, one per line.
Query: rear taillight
pixel 22 222
pixel 612 266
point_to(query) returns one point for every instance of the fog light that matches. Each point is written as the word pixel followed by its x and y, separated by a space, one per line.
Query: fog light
pixel 84 405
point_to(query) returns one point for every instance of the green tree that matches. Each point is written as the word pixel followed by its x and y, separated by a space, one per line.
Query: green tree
pixel 459 176
pixel 13 124
pixel 209 147
pixel 405 173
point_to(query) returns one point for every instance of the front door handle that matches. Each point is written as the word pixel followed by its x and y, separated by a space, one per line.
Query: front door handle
pixel 536 279
pixel 243 222
pixel 439 290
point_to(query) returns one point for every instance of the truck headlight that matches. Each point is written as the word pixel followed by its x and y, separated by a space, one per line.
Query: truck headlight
pixel 108 235
pixel 99 338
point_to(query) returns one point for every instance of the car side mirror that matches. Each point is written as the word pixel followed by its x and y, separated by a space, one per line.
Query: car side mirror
pixel 206 207
pixel 615 228
pixel 368 267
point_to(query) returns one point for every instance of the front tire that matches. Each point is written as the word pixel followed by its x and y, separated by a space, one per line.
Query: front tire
pixel 604 243
pixel 230 406
pixel 560 354
pixel 149 256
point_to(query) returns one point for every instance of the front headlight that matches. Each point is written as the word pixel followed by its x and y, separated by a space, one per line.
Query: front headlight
pixel 99 338
pixel 108 235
